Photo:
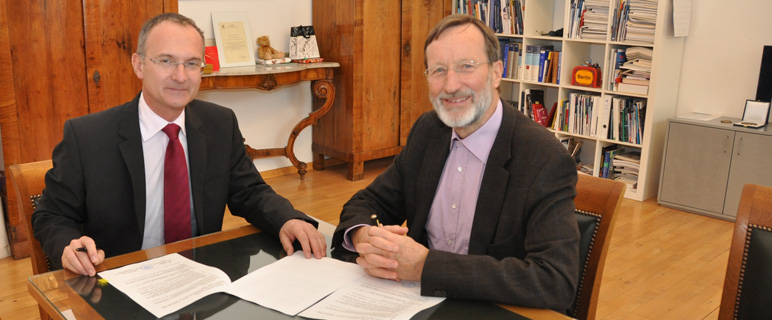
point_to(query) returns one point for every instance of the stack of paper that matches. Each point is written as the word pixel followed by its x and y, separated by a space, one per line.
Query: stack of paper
pixel 595 22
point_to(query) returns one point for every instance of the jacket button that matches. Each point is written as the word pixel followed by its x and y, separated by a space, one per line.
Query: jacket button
pixel 439 293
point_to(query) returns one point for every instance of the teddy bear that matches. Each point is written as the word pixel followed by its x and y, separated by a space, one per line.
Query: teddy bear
pixel 265 51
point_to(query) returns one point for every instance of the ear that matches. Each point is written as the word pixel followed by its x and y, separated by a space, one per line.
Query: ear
pixel 137 65
pixel 498 69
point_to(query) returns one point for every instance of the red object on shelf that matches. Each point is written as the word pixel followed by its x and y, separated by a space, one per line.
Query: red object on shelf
pixel 210 56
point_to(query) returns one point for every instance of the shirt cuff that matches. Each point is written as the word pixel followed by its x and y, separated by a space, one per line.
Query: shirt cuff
pixel 347 243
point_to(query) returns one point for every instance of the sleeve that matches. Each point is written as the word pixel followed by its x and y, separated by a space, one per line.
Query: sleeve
pixel 547 274
pixel 61 208
pixel 249 196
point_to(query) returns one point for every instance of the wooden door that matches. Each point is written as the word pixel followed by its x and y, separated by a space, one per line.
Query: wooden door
pixel 418 19
pixel 111 32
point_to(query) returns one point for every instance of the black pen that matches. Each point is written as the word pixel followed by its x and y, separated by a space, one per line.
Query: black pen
pixel 82 249
pixel 374 218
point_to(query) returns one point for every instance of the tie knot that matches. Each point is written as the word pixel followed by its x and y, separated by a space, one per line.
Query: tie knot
pixel 172 131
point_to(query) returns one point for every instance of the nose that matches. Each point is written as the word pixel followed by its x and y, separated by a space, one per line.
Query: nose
pixel 452 81
pixel 179 74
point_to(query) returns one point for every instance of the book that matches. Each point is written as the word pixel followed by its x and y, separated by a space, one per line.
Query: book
pixel 540 114
pixel 635 81
pixel 633 88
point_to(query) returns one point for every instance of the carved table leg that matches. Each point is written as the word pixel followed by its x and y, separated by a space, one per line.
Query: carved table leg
pixel 323 89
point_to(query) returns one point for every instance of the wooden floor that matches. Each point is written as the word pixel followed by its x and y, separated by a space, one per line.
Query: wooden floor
pixel 662 263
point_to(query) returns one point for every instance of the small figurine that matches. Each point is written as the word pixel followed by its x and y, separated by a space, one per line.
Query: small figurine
pixel 265 51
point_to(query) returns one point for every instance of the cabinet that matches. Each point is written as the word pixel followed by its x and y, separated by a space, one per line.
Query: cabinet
pixel 65 59
pixel 380 86
pixel 707 163
pixel 540 17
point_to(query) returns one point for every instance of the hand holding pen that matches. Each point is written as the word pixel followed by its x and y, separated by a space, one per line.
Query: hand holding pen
pixel 82 255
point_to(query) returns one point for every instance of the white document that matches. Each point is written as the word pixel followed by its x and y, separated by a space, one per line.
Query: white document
pixel 166 284
pixel 682 11
pixel 374 297
pixel 294 283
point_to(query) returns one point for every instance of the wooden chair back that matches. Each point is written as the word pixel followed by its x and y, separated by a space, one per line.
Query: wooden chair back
pixel 597 201
pixel 29 182
pixel 747 290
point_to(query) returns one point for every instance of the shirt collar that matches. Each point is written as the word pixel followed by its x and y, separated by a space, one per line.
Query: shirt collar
pixel 150 123
pixel 480 142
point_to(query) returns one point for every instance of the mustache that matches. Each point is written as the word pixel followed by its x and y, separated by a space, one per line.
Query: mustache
pixel 457 94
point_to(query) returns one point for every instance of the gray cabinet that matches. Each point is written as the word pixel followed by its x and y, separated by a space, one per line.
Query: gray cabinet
pixel 706 164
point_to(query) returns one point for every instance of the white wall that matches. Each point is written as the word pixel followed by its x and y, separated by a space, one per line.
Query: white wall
pixel 265 118
pixel 722 55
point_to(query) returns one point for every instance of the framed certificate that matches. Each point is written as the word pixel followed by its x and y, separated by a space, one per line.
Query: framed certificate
pixel 233 38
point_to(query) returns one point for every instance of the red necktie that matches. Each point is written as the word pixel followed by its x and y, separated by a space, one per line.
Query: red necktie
pixel 176 188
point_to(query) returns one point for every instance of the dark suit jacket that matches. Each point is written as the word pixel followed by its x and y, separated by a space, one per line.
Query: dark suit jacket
pixel 524 246
pixel 97 185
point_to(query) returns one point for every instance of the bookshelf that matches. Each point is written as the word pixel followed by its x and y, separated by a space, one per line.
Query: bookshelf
pixel 542 16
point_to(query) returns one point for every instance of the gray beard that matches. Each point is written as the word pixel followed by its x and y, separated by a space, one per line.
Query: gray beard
pixel 480 104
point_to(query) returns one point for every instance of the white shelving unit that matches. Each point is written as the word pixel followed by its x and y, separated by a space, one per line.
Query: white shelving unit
pixel 542 16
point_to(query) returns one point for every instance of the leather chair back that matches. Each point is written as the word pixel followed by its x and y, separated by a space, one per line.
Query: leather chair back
pixel 747 290
pixel 597 201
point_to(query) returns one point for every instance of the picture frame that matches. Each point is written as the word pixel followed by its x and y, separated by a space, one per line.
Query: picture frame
pixel 233 38
pixel 755 114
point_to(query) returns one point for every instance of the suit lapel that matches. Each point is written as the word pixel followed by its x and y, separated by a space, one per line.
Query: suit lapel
pixel 197 150
pixel 131 151
pixel 437 150
pixel 494 183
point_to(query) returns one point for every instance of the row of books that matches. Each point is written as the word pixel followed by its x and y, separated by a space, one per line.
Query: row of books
pixel 579 114
pixel 626 119
pixel 634 20
pixel 512 56
pixel 614 118
pixel 502 16
pixel 588 19
pixel 541 64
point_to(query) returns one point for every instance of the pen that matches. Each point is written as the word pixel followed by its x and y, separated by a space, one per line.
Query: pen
pixel 374 218
pixel 81 249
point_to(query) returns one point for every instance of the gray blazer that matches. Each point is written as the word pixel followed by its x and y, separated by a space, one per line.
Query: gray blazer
pixel 97 185
pixel 524 246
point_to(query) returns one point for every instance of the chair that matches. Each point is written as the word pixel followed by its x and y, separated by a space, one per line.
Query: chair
pixel 29 181
pixel 747 290
pixel 597 200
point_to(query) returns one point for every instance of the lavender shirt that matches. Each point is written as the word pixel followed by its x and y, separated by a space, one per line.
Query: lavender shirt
pixel 450 218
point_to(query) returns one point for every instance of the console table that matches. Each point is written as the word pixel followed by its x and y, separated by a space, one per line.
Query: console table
pixel 270 77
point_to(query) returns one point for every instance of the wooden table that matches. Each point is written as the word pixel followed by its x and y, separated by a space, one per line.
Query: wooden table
pixel 63 291
pixel 271 77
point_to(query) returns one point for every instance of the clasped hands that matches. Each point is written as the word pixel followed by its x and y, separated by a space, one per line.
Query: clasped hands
pixel 385 252
pixel 311 241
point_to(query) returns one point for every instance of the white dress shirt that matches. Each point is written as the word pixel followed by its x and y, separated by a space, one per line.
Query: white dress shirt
pixel 154 143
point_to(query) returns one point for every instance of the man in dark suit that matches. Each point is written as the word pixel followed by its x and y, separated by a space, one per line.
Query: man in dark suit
pixel 106 195
pixel 486 192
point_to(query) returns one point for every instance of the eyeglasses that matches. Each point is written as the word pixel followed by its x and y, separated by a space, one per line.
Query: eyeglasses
pixel 463 69
pixel 169 65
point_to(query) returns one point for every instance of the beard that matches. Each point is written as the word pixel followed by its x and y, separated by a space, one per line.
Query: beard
pixel 481 101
